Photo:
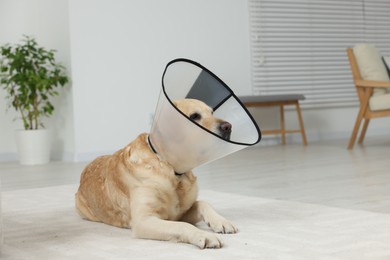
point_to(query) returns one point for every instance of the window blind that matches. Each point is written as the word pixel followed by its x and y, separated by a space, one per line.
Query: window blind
pixel 377 24
pixel 299 46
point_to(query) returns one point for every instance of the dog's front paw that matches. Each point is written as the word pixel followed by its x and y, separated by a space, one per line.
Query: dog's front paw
pixel 222 226
pixel 206 240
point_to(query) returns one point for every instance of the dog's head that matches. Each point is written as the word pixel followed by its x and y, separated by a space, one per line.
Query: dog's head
pixel 202 114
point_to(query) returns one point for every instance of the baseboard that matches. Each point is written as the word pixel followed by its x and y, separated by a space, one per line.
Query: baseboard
pixel 55 156
pixel 59 156
pixel 8 157
pixel 312 137
pixel 62 156
pixel 85 157
pixel 320 136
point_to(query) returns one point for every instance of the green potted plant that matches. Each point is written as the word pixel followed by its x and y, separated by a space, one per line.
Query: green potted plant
pixel 30 76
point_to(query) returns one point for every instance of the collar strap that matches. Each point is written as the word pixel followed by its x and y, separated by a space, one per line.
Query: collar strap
pixel 151 147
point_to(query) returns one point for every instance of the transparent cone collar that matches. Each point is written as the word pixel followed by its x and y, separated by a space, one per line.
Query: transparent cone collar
pixel 181 141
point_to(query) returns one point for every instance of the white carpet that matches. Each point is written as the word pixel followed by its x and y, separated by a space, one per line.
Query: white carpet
pixel 42 224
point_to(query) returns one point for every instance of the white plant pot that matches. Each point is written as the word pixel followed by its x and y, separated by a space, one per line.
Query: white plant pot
pixel 33 146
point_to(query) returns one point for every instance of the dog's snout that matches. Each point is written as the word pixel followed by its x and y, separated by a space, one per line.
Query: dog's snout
pixel 225 128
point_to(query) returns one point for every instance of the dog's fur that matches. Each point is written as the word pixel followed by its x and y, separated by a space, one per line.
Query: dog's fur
pixel 134 188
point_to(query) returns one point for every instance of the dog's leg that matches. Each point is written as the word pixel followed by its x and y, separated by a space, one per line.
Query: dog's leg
pixel 83 209
pixel 158 229
pixel 202 211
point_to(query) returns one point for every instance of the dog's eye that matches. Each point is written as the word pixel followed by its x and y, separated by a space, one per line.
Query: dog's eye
pixel 195 116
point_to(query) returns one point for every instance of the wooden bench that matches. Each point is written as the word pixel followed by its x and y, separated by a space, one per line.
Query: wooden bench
pixel 280 101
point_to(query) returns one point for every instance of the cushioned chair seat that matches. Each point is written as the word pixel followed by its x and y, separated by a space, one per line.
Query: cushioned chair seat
pixel 380 102
pixel 371 65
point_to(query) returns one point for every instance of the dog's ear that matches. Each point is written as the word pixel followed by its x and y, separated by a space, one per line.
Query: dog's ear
pixel 130 157
pixel 127 153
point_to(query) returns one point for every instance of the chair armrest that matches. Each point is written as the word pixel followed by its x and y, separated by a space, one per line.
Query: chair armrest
pixel 372 83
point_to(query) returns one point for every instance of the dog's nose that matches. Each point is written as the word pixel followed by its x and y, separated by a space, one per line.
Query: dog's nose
pixel 225 127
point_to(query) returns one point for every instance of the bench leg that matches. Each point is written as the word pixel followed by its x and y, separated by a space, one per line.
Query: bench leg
pixel 282 124
pixel 298 108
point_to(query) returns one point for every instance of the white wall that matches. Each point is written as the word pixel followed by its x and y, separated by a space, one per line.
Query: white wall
pixel 116 52
pixel 120 49
pixel 47 21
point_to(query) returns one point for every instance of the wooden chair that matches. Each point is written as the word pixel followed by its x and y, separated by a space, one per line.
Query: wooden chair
pixel 364 90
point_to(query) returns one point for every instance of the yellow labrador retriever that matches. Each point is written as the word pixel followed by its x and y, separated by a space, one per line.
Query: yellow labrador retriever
pixel 134 188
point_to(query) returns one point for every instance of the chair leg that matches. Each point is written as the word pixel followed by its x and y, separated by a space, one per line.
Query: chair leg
pixel 363 132
pixel 364 96
pixel 298 108
pixel 355 129
pixel 282 124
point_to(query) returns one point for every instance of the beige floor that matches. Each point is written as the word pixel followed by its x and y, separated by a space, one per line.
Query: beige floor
pixel 322 173
pixel 316 202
